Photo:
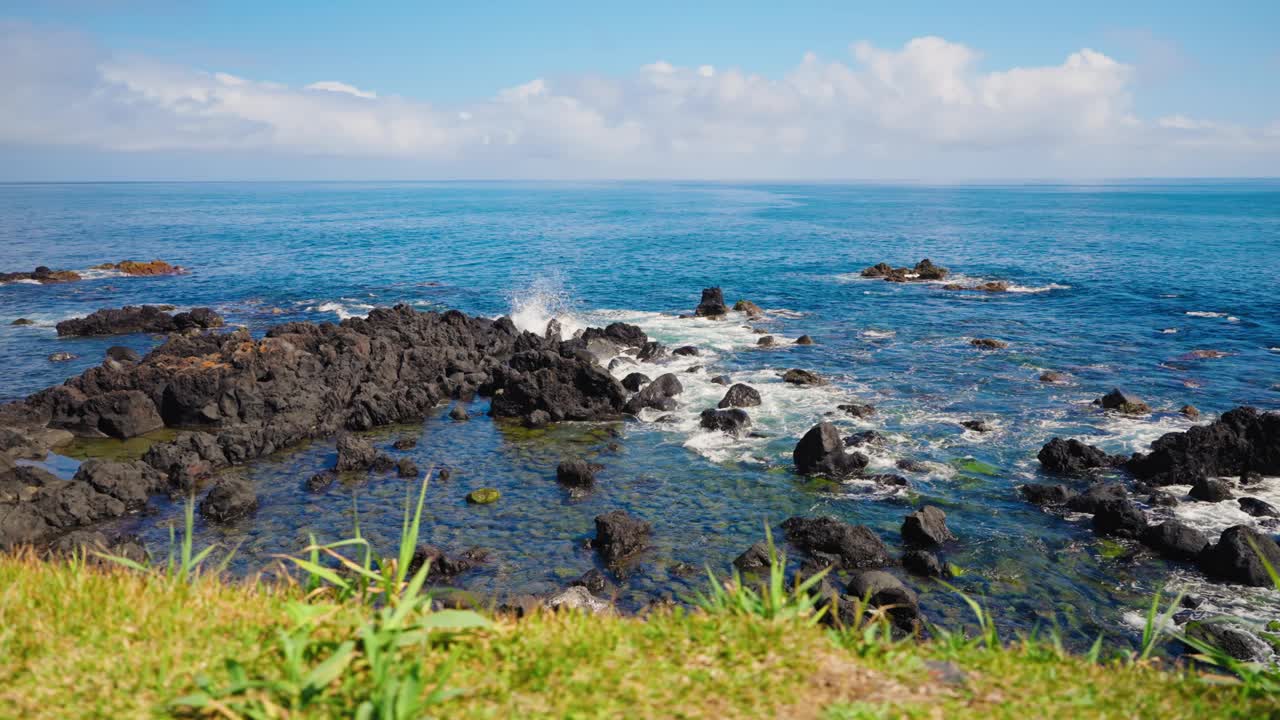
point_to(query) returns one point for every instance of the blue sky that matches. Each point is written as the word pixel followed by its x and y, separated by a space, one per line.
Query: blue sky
pixel 1204 75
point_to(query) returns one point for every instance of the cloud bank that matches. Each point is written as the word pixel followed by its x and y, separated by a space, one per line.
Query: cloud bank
pixel 926 109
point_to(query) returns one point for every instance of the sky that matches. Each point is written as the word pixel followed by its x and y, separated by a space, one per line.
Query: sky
pixel 148 90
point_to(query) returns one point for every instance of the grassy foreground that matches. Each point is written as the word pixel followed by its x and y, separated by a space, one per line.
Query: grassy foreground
pixel 85 640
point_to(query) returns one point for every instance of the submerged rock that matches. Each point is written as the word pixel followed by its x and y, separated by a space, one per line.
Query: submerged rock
pixel 858 410
pixel 1044 494
pixel 754 559
pixel 748 307
pixel 230 498
pixel 821 451
pixel 988 343
pixel 619 536
pixel 1224 634
pixel 595 582
pixel 883 590
pixel 923 563
pixel 980 426
pixel 62 357
pixel 483 496
pixel 459 414
pixel 354 453
pixel 1050 376
pixel 406 468
pixel 576 473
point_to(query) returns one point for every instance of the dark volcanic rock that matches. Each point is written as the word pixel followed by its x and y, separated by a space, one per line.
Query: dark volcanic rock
pixel 652 351
pixel 1123 402
pixel 926 527
pixel 858 410
pixel 686 350
pixel 988 343
pixel 321 481
pixel 981 426
pixel 804 340
pixel 619 536
pixel 619 333
pixel 119 414
pixel 722 380
pixel 139 319
pixel 120 355
pixel 635 381
pixel 712 304
pixel 1119 517
pixel 733 421
pixel 442 567
pixel 1258 508
pixel 740 395
pixel 354 453
pixel 1175 540
pixel 229 499
pixel 405 443
pixel 827 539
pixel 1242 440
pixel 1092 499
pixel 129 482
pixel 566 388
pixel 754 559
pixel 1210 490
pixel 1072 457
pixel 1043 494
pixel 576 473
pixel 796 376
pixel 459 414
pixel 406 468
pixel 883 590
pixel 821 452
pixel 1235 641
pixel 923 562
pixel 1235 558
pixel 866 437
pixel 595 582
pixel 659 395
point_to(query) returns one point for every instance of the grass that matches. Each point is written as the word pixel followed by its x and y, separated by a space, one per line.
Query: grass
pixel 358 636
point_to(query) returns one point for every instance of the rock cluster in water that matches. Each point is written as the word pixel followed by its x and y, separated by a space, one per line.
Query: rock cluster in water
pixel 46 276
pixel 923 270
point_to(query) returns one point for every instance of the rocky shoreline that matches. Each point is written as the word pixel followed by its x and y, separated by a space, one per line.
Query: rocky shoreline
pixel 232 397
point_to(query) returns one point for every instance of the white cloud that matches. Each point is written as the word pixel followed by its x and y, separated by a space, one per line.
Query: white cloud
pixel 925 109
pixel 341 87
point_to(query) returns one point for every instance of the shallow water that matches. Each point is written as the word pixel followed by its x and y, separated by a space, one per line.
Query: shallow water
pixel 1111 285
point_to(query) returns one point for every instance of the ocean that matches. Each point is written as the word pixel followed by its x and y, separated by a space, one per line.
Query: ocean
pixel 1110 284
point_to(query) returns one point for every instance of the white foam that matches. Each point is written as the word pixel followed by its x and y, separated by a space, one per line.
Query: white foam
pixel 1214 517
pixel 535 307
pixel 1205 314
pixel 1037 288
pixel 22 281
pixel 345 309
pixel 1169 331
pixel 877 334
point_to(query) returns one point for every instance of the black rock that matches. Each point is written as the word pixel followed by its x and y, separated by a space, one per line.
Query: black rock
pixel 576 473
pixel 1119 517
pixel 405 443
pixel 1175 540
pixel 1160 498
pixel 459 414
pixel 858 410
pixel 1230 638
pixel 754 559
pixel 847 546
pixel 721 380
pixel 1121 401
pixel 406 468
pixel 1091 499
pixel 712 304
pixel 138 319
pixel 887 479
pixel 321 481
pixel 443 567
pixel 883 590
pixel 733 421
pixel 740 395
pixel 1258 508
pixel 923 562
pixel 595 582
pixel 796 376
pixel 354 453
pixel 620 536
pixel 1242 441
pixel 1236 556
pixel 926 527
pixel 129 482
pixel 658 395
pixel 686 350
pixel 619 333
pixel 1043 495
pixel 977 425
pixel 1072 457
pixel 866 437
pixel 634 381
pixel 821 452
pixel 1210 490
pixel 229 499
pixel 804 340
pixel 652 351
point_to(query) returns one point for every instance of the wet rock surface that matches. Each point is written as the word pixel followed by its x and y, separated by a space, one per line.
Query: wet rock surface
pixel 620 537
pixel 837 543
pixel 139 319
pixel 821 451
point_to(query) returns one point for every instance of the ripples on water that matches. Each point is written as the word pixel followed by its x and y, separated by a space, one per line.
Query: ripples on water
pixel 1110 285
